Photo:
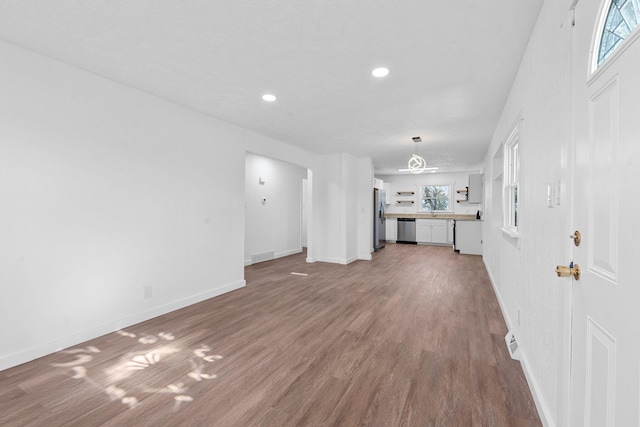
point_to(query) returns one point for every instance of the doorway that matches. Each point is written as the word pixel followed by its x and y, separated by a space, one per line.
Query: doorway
pixel 274 201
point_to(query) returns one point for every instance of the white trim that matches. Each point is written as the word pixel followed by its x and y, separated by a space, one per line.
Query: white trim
pixel 351 259
pixel 343 261
pixel 543 409
pixel 541 406
pixel 287 253
pixel 511 177
pixel 43 349
pixel 331 260
pixel 511 232
pixel 247 262
pixel 596 38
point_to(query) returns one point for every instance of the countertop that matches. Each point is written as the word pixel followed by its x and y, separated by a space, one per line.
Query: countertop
pixel 459 217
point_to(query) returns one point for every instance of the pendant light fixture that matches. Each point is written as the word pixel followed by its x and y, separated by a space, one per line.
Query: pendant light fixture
pixel 416 163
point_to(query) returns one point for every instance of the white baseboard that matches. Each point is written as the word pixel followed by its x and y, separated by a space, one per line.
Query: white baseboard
pixel 49 347
pixel 287 253
pixel 503 308
pixel 365 257
pixel 331 260
pixel 350 260
pixel 541 406
pixel 342 261
pixel 248 262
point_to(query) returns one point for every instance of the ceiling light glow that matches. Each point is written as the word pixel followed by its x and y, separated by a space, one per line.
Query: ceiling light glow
pixel 380 72
pixel 268 97
pixel 417 164
pixel 433 169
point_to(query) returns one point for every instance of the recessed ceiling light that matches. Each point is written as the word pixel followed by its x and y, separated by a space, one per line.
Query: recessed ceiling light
pixel 268 97
pixel 380 72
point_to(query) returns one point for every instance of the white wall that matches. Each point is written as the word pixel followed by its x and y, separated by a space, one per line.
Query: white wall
pixel 357 177
pixel 534 301
pixel 275 225
pixel 350 207
pixel 364 207
pixel 342 208
pixel 305 215
pixel 106 190
pixel 413 182
pixel 268 147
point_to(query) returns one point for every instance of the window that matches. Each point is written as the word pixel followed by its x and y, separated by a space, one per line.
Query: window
pixel 434 198
pixel 622 18
pixel 511 181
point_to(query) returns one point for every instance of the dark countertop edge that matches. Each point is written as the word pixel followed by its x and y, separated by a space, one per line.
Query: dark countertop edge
pixel 460 217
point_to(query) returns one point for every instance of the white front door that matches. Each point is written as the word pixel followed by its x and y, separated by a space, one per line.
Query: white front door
pixel 605 374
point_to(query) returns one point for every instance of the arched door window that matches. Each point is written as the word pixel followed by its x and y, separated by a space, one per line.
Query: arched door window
pixel 622 18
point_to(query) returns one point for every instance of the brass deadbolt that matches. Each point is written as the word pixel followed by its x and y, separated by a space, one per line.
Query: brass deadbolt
pixel 577 238
pixel 572 270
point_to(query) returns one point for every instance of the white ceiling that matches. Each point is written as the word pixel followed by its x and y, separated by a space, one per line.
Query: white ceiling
pixel 452 65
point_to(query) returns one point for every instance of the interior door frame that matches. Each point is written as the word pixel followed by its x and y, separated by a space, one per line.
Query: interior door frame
pixel 565 361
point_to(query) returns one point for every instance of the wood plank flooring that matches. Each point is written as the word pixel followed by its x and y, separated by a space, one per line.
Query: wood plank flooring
pixel 413 338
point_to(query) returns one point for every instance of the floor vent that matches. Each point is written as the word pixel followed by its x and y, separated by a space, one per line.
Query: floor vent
pixel 512 345
pixel 264 256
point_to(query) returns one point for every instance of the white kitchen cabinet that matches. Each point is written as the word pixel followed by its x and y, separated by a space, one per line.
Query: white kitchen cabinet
pixel 450 231
pixel 439 232
pixel 475 192
pixel 387 193
pixel 469 237
pixel 433 231
pixel 391 229
pixel 423 232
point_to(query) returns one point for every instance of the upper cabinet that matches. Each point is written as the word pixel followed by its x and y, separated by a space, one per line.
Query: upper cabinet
pixel 476 191
pixel 387 193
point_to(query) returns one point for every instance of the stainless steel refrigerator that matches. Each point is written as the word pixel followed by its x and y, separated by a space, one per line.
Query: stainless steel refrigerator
pixel 379 221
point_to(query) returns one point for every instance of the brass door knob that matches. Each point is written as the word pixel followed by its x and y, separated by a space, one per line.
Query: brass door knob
pixel 572 270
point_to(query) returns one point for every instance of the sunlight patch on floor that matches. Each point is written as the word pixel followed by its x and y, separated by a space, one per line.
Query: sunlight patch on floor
pixel 122 381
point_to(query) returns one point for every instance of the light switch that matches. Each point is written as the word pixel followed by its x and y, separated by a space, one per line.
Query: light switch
pixel 550 196
pixel 557 191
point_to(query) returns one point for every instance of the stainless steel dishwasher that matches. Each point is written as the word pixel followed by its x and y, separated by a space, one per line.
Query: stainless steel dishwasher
pixel 406 230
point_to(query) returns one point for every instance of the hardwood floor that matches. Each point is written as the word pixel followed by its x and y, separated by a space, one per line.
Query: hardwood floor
pixel 413 338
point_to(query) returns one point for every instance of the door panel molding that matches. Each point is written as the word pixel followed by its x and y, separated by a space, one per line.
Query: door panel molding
pixel 603 181
pixel 600 386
